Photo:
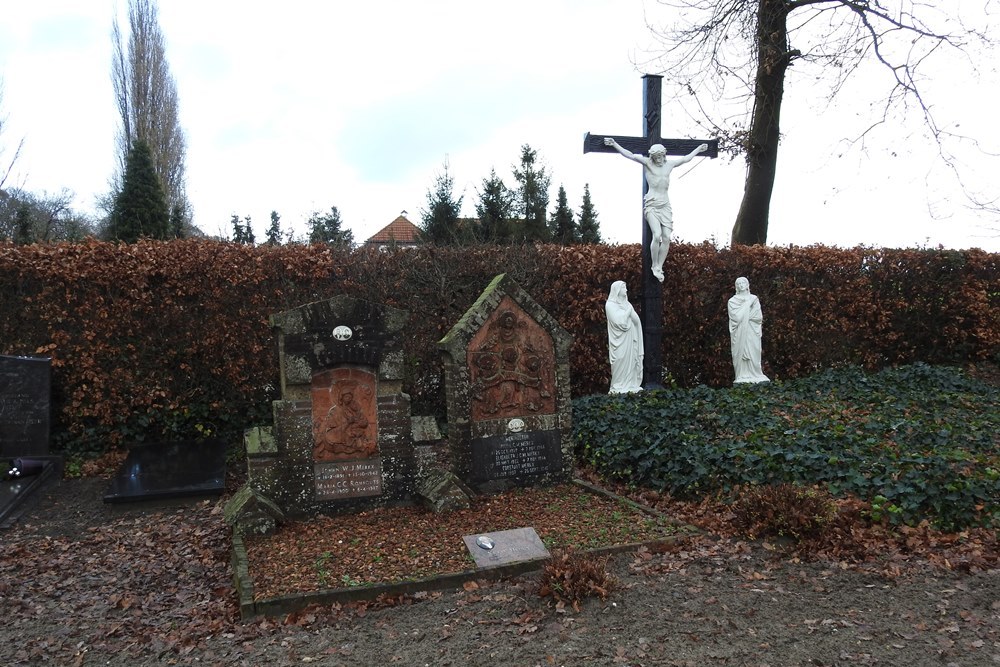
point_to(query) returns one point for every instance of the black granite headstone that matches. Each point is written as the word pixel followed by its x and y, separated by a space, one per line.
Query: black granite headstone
pixel 170 470
pixel 25 399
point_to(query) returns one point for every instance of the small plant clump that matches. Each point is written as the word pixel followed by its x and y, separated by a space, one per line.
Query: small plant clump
pixel 783 510
pixel 570 578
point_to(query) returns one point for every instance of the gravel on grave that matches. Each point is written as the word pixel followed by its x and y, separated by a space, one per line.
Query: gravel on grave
pixel 403 543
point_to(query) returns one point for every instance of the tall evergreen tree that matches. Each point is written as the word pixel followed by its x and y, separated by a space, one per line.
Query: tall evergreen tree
pixel 440 219
pixel 146 97
pixel 590 228
pixel 23 232
pixel 532 195
pixel 327 228
pixel 274 231
pixel 140 209
pixel 495 210
pixel 562 225
pixel 243 231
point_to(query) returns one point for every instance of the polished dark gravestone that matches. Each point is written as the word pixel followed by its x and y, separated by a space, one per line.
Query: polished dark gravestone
pixel 163 471
pixel 25 400
pixel 25 390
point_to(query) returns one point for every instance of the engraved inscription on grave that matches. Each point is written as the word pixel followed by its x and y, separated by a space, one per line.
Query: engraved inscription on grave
pixel 351 479
pixel 24 406
pixel 516 455
pixel 343 410
pixel 510 366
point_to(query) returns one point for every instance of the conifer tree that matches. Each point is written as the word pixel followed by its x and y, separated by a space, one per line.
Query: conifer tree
pixel 495 210
pixel 178 218
pixel 274 231
pixel 532 195
pixel 590 228
pixel 326 228
pixel 440 218
pixel 563 226
pixel 140 208
pixel 242 231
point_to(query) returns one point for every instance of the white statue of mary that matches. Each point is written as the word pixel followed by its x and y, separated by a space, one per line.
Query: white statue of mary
pixel 624 341
pixel 745 325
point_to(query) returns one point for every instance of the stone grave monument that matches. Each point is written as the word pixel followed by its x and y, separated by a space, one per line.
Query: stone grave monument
pixel 506 365
pixel 341 438
pixel 25 417
pixel 25 389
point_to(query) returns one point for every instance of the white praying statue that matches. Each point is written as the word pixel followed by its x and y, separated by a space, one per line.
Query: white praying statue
pixel 745 325
pixel 656 204
pixel 625 348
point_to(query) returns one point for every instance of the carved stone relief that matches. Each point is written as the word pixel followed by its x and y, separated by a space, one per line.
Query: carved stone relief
pixel 511 366
pixel 344 415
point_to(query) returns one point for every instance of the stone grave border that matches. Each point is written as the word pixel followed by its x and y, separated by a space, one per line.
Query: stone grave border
pixel 250 608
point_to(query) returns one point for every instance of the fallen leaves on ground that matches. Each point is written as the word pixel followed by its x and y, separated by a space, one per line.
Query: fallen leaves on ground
pixel 850 538
pixel 403 543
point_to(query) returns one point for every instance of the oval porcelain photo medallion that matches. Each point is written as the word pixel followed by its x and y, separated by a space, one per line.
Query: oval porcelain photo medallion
pixel 515 425
pixel 342 333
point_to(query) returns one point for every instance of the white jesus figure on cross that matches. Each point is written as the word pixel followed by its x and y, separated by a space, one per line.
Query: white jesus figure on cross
pixel 656 204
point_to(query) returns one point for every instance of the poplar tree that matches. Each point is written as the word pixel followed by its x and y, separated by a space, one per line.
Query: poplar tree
pixel 146 98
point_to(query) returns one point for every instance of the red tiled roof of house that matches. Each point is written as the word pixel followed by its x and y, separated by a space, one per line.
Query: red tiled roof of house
pixel 400 231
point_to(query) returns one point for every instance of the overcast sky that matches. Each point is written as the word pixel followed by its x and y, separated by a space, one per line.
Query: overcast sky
pixel 359 105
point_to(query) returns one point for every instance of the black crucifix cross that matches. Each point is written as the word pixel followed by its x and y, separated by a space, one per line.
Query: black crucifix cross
pixel 651 295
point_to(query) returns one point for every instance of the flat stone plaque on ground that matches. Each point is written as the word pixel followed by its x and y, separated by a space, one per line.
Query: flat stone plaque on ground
pixel 25 386
pixel 505 547
pixel 349 479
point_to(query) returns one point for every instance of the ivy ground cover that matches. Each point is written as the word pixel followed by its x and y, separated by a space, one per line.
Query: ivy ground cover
pixel 917 442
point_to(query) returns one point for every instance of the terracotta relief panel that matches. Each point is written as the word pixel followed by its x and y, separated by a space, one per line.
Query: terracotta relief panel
pixel 344 415
pixel 511 366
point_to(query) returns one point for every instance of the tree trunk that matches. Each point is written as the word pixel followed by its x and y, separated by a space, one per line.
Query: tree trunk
pixel 773 57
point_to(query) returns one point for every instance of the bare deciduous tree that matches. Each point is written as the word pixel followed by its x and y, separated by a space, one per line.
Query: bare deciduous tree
pixel 719 51
pixel 146 96
pixel 27 217
pixel 6 166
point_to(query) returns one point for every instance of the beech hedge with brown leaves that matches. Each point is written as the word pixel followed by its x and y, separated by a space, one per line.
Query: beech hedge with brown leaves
pixel 170 339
